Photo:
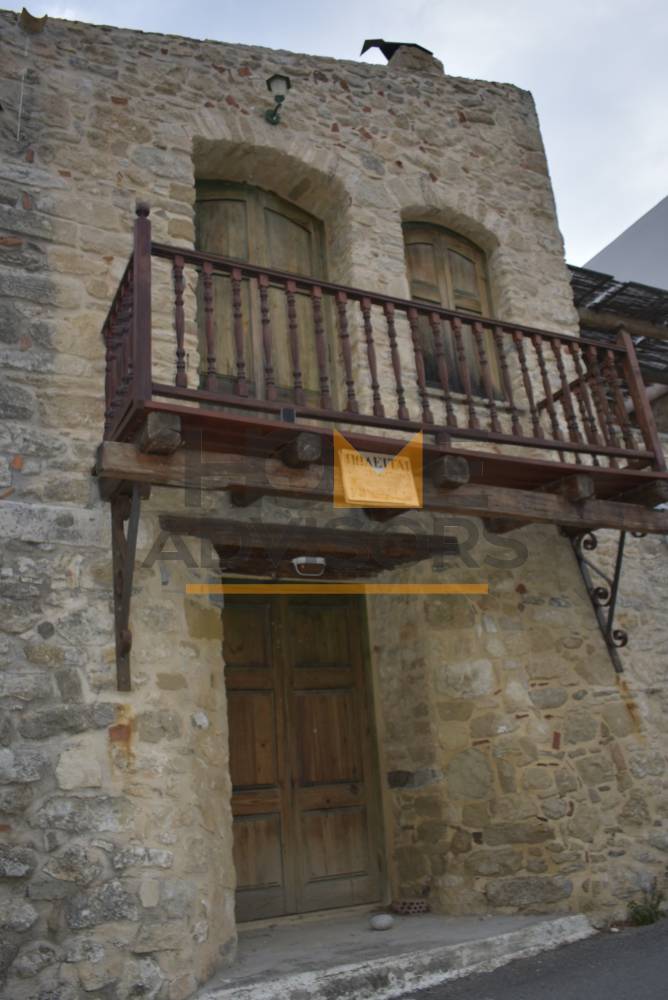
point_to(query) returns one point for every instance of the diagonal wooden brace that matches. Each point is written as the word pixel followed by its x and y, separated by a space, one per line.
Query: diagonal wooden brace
pixel 123 547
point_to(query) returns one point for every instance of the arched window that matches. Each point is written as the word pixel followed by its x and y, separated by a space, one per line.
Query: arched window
pixel 449 271
pixel 257 227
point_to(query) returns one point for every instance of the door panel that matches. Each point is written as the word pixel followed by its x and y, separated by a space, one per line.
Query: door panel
pixel 252 738
pixel 321 635
pixel 257 852
pixel 247 639
pixel 257 760
pixel 303 764
pixel 334 795
pixel 335 842
pixel 326 737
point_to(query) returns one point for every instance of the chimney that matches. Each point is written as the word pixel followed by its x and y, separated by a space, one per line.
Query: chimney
pixel 408 57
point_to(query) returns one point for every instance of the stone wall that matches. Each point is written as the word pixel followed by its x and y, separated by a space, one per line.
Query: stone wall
pixel 524 776
pixel 524 772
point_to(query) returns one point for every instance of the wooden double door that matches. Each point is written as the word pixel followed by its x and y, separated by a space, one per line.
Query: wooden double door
pixel 305 802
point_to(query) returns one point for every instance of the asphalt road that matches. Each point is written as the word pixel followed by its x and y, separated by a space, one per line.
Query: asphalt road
pixel 629 965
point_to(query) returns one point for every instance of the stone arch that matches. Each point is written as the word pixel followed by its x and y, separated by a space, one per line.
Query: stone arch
pixel 308 180
pixel 466 224
pixel 455 220
pixel 423 199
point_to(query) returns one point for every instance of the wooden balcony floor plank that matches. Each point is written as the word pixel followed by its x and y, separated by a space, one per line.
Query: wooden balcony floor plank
pixel 217 431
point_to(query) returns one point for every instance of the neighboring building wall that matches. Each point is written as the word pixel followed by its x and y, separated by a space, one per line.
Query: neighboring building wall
pixel 115 807
pixel 640 253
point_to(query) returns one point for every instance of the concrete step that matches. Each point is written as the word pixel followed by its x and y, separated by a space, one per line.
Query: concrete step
pixel 344 959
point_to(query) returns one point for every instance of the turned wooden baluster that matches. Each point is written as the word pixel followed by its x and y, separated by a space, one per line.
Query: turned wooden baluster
pixel 207 281
pixel 566 398
pixel 321 348
pixel 427 415
pixel 584 402
pixel 402 410
pixel 125 352
pixel 465 375
pixel 507 382
pixel 293 334
pixel 483 361
pixel 378 408
pixel 537 342
pixel 107 374
pixel 612 378
pixel 601 402
pixel 641 405
pixel 241 382
pixel 265 323
pixel 344 337
pixel 110 367
pixel 518 340
pixel 121 324
pixel 181 379
pixel 442 367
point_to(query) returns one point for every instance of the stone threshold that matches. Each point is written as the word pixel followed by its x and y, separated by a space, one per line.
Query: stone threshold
pixel 341 957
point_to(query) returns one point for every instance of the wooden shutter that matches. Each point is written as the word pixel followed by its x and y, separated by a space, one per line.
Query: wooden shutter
pixel 223 226
pixel 255 226
pixel 449 271
pixel 291 241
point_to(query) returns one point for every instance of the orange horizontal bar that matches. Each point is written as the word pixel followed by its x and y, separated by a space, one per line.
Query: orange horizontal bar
pixel 271 589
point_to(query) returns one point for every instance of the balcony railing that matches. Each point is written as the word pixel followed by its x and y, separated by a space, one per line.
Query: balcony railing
pixel 574 400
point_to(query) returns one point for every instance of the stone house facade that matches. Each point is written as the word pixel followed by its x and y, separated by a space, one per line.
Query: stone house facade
pixel 516 771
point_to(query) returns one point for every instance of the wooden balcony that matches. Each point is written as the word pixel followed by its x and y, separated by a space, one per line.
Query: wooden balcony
pixel 547 427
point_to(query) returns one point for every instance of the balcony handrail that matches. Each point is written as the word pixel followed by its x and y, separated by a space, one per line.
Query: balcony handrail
pixel 305 284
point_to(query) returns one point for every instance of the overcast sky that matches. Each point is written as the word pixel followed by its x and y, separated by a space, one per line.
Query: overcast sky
pixel 597 70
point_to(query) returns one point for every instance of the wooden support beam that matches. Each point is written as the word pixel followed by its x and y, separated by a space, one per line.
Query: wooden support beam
pixel 382 514
pixel 160 434
pixel 592 319
pixel 577 487
pixel 449 472
pixel 263 546
pixel 269 476
pixel 649 495
pixel 304 449
pixel 244 498
pixel 501 526
pixel 111 488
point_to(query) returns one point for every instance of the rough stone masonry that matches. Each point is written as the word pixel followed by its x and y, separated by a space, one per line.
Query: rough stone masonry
pixel 519 773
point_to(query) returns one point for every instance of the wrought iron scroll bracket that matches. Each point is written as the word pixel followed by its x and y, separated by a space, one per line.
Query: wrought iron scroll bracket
pixel 603 590
pixel 124 508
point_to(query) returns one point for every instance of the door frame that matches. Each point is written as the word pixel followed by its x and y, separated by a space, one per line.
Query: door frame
pixel 379 799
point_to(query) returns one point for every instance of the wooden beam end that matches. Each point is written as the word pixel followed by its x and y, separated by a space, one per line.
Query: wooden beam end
pixel 449 472
pixel 160 434
pixel 303 450
pixel 577 488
